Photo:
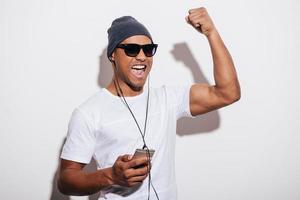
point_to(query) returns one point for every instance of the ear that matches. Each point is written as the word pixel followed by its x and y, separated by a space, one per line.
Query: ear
pixel 112 57
pixel 112 60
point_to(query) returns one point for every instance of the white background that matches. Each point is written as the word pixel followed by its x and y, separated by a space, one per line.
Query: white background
pixel 52 57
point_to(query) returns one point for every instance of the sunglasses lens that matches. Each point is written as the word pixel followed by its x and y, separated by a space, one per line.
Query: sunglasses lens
pixel 132 50
pixel 149 49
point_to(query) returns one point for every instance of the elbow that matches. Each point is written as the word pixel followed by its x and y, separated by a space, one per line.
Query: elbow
pixel 232 96
pixel 61 186
pixel 65 187
pixel 236 96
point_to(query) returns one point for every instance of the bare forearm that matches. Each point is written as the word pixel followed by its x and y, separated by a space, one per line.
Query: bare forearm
pixel 224 71
pixel 75 182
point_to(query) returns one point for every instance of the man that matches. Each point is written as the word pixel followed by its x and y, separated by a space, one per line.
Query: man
pixel 125 116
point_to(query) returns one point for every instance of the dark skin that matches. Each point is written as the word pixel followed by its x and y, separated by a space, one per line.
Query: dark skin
pixel 126 171
pixel 203 98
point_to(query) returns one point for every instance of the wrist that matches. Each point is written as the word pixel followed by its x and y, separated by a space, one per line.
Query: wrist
pixel 213 34
pixel 107 176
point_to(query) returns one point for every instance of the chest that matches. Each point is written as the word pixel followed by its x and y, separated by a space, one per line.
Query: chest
pixel 125 127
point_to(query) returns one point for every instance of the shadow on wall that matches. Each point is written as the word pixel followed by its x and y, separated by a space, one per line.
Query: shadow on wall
pixel 55 193
pixel 203 123
pixel 105 70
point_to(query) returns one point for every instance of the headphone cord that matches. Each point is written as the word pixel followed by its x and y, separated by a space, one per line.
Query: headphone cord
pixel 143 135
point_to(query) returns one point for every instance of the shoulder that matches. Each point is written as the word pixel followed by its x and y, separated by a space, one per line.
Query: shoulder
pixel 93 106
pixel 93 101
pixel 171 88
pixel 173 91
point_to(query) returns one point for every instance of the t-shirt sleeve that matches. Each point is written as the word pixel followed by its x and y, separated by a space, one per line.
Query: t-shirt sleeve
pixel 80 142
pixel 179 98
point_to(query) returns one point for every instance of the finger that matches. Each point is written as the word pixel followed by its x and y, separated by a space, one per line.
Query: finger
pixel 196 23
pixel 187 19
pixel 137 179
pixel 193 10
pixel 138 161
pixel 191 22
pixel 197 15
pixel 195 18
pixel 201 15
pixel 198 20
pixel 126 158
pixel 141 171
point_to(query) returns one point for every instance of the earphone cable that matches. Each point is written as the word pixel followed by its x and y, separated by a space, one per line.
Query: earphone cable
pixel 143 135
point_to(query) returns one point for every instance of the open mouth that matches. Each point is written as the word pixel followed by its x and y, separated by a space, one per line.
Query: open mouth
pixel 138 70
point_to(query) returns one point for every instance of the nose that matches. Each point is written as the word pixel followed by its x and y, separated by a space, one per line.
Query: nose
pixel 141 56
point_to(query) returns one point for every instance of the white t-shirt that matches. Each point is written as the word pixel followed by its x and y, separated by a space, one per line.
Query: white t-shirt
pixel 104 129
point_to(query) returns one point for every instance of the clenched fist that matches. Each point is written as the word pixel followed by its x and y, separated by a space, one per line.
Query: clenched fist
pixel 201 21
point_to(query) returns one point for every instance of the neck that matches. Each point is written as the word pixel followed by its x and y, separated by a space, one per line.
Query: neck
pixel 127 91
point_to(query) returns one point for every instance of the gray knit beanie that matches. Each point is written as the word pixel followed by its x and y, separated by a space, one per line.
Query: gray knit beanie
pixel 122 28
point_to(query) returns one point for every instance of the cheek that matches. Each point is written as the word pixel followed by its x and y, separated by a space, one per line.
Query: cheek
pixel 150 62
pixel 121 58
pixel 123 62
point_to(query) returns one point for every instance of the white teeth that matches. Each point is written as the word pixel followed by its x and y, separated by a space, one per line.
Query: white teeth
pixel 139 67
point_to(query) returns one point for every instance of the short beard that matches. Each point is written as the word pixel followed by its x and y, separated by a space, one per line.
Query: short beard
pixel 132 86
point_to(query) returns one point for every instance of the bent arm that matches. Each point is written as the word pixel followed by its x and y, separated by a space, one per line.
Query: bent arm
pixel 226 90
pixel 74 181
pixel 126 171
pixel 204 97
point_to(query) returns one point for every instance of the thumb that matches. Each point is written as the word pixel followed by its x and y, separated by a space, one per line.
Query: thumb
pixel 126 158
pixel 188 21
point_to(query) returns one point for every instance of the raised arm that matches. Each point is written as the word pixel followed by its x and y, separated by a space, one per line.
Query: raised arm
pixel 226 90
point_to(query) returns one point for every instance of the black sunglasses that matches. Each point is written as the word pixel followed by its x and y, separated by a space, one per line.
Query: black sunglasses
pixel 132 50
